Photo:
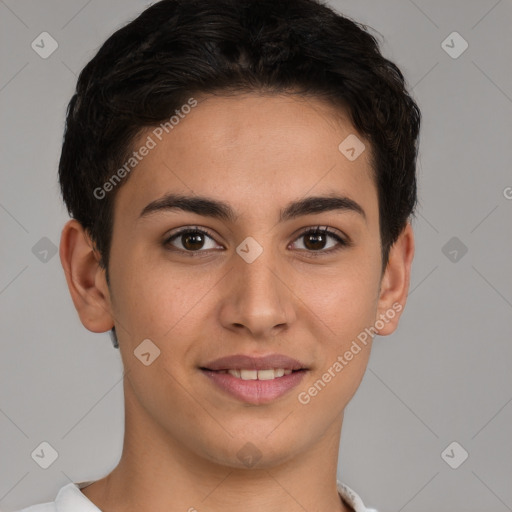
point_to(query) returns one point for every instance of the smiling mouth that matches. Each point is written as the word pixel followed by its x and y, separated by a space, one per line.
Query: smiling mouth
pixel 250 374
pixel 256 387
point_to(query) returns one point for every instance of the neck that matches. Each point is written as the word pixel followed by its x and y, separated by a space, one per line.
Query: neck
pixel 159 474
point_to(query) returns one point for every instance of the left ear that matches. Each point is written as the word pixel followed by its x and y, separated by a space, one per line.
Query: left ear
pixel 395 282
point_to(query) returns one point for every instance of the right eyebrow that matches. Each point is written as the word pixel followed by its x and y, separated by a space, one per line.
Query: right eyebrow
pixel 204 206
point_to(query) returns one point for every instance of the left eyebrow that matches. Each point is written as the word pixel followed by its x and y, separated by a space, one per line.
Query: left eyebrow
pixel 209 207
pixel 320 204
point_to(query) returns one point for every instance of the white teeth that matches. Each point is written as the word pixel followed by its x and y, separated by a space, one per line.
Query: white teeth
pixel 258 374
pixel 266 375
pixel 248 374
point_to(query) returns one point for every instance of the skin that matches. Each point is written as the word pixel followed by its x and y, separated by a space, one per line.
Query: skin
pixel 182 434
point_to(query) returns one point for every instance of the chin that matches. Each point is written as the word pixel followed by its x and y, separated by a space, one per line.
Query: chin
pixel 253 452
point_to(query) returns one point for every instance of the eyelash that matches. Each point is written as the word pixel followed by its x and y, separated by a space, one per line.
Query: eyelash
pixel 324 230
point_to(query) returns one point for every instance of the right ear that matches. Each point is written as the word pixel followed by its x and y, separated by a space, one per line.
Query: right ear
pixel 86 279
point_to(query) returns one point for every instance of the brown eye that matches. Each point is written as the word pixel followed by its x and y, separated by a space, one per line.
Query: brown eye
pixel 321 240
pixel 315 241
pixel 191 240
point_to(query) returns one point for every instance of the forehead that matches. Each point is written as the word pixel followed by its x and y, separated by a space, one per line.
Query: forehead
pixel 252 150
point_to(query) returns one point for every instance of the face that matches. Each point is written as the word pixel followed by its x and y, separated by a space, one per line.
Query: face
pixel 257 268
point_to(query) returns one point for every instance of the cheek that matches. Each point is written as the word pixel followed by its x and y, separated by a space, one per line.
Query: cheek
pixel 339 311
pixel 143 300
pixel 158 301
pixel 345 300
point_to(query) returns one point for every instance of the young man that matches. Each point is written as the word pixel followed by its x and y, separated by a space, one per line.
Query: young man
pixel 240 176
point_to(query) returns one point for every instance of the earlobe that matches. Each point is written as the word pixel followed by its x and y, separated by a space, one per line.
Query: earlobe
pixel 395 282
pixel 85 278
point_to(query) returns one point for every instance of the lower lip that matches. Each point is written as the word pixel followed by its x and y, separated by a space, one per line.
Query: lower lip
pixel 255 391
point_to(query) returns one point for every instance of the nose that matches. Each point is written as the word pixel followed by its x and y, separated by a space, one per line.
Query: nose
pixel 258 300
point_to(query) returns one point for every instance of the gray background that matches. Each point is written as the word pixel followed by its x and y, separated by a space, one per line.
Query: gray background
pixel 444 376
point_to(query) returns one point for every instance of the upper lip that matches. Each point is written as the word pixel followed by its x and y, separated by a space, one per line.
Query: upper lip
pixel 245 362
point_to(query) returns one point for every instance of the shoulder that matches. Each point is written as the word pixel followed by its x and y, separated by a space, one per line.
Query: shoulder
pixel 41 507
pixel 68 499
pixel 351 498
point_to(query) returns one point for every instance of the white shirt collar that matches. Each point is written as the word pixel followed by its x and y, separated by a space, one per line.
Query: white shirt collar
pixel 71 499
